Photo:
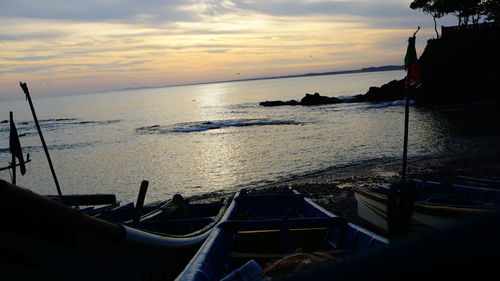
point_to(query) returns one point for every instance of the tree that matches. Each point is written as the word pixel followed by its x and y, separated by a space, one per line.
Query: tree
pixel 432 7
pixel 491 9
pixel 464 10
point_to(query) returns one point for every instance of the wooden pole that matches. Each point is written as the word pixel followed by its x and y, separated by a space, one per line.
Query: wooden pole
pixel 13 162
pixel 140 201
pixel 28 97
pixel 405 137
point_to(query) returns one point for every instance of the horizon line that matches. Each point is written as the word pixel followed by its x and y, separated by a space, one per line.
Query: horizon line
pixel 311 74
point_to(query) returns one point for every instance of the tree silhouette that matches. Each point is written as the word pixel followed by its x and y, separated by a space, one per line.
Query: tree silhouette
pixel 491 9
pixel 435 8
pixel 467 11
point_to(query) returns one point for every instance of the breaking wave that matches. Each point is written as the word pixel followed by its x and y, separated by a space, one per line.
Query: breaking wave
pixel 210 125
pixel 388 104
pixel 25 127
pixel 55 147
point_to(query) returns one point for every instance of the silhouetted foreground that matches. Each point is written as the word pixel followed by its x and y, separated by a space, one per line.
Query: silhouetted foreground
pixel 41 239
pixel 462 65
pixel 468 250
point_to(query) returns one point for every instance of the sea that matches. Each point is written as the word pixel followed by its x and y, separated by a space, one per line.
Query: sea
pixel 215 137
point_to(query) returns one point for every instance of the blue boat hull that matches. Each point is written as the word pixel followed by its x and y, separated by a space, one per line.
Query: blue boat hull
pixel 268 227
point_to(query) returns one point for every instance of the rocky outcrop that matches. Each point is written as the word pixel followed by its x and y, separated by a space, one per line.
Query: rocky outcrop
pixel 394 90
pixel 461 66
pixel 308 99
pixel 279 103
pixel 391 91
pixel 317 99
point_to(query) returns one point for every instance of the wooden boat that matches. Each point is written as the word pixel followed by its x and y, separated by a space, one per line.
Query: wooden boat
pixel 176 217
pixel 266 228
pixel 90 204
pixel 437 205
pixel 44 240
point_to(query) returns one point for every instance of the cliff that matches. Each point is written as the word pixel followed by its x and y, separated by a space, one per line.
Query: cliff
pixel 463 65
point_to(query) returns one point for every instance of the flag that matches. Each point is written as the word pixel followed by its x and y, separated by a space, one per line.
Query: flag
pixel 412 65
pixel 15 146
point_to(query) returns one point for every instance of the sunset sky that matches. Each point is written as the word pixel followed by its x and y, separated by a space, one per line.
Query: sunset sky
pixel 74 47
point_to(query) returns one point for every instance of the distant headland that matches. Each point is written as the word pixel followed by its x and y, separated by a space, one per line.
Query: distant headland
pixel 366 69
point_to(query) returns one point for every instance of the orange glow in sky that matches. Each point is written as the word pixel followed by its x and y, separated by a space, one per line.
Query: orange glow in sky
pixel 92 46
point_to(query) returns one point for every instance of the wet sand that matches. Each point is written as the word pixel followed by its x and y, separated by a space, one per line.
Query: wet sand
pixel 332 188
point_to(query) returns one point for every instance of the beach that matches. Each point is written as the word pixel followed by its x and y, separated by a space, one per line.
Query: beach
pixel 332 188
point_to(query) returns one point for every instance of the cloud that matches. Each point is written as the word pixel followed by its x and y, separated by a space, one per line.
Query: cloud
pixel 333 8
pixel 98 11
pixel 96 42
pixel 31 58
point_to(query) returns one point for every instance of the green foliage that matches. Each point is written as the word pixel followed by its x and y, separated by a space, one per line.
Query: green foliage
pixel 467 11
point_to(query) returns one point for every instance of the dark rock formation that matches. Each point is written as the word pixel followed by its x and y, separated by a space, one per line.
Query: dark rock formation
pixel 279 102
pixel 391 91
pixel 308 99
pixel 394 90
pixel 462 65
pixel 317 99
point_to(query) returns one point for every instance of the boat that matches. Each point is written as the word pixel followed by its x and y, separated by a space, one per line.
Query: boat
pixel 176 217
pixel 46 240
pixel 90 204
pixel 492 182
pixel 437 205
pixel 272 229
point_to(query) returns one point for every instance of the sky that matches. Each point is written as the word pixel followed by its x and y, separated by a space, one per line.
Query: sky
pixel 75 47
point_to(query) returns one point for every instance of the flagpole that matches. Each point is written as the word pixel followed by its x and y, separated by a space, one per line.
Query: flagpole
pixel 401 195
pixel 405 138
pixel 28 97
pixel 407 119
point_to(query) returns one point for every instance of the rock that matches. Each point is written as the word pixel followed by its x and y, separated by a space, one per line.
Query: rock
pixel 461 65
pixel 317 99
pixel 279 103
pixel 394 90
pixel 308 99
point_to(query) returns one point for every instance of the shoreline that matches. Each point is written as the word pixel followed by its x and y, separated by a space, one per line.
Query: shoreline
pixel 332 187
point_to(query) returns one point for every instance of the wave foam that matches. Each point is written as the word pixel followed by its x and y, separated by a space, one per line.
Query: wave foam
pixel 201 126
pixel 388 104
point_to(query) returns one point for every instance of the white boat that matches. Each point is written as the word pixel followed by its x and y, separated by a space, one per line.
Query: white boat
pixel 437 205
